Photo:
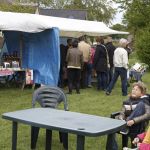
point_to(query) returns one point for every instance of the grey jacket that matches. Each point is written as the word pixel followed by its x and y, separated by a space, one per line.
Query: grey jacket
pixel 74 58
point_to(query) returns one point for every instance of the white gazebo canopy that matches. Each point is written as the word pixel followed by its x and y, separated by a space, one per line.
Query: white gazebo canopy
pixel 33 23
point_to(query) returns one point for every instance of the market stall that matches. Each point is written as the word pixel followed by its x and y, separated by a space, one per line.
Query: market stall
pixel 35 39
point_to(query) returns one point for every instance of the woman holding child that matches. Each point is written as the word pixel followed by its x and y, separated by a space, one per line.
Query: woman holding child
pixel 136 112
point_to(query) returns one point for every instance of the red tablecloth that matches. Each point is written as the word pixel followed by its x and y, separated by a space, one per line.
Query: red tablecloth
pixel 6 72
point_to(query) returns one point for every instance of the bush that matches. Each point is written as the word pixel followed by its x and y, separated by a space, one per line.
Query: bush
pixel 17 8
pixel 142 45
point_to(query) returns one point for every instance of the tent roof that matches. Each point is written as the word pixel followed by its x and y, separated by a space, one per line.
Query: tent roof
pixel 68 27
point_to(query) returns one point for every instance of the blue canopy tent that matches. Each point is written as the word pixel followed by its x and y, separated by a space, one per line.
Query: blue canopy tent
pixel 39 51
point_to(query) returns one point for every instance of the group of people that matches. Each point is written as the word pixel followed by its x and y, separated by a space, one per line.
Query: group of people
pixel 78 63
pixel 79 58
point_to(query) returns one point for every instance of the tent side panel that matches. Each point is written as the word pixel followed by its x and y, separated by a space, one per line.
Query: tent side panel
pixel 40 52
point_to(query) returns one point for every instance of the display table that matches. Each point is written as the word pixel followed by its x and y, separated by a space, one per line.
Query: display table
pixel 6 72
pixel 14 75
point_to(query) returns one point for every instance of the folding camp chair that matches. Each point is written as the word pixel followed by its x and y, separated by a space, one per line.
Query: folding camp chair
pixel 137 71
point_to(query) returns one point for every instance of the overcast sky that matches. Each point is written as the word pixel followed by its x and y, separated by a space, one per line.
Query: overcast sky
pixel 118 16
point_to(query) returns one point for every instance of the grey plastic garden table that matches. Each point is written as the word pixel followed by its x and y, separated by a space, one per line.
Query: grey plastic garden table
pixel 66 121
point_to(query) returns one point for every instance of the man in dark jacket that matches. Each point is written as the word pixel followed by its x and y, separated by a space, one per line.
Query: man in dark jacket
pixel 110 48
pixel 101 64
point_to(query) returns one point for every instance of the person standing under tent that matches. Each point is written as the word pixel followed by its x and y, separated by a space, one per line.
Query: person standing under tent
pixel 63 66
pixel 90 67
pixel 85 48
pixel 74 61
pixel 101 64
pixel 111 48
pixel 120 61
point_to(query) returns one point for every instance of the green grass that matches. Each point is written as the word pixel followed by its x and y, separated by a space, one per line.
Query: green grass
pixel 90 101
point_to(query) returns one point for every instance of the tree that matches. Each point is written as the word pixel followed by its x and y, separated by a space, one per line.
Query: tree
pixel 119 27
pixel 137 17
pixel 137 14
pixel 142 45
pixel 46 3
pixel 16 8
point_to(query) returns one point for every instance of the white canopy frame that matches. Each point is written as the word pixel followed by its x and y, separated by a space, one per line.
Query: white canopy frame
pixel 33 23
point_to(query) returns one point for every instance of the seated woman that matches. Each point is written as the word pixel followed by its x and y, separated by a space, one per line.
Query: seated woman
pixel 142 141
pixel 136 111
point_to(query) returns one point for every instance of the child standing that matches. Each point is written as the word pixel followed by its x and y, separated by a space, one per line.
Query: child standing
pixel 142 141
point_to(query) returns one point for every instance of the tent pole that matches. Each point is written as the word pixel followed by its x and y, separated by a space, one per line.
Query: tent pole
pixel 21 48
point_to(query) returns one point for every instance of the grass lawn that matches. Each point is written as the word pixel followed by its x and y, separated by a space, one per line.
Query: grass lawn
pixel 90 101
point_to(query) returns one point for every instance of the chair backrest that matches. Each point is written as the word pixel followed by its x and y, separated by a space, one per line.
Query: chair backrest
pixel 48 96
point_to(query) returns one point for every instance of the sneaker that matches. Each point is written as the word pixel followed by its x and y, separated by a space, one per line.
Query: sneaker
pixel 89 86
pixel 78 92
pixel 107 93
pixel 124 131
pixel 69 93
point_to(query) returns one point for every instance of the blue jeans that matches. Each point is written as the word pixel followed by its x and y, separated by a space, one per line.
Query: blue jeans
pixel 102 78
pixel 89 74
pixel 110 74
pixel 138 111
pixel 122 72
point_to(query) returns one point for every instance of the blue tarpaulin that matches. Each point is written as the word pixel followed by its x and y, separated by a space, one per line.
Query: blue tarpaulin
pixel 40 52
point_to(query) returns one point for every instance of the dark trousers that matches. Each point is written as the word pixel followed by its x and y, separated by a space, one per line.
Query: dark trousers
pixel 111 143
pixel 61 81
pixel 122 72
pixel 74 78
pixel 84 75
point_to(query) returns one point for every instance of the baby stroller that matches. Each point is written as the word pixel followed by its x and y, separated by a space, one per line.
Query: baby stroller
pixel 137 71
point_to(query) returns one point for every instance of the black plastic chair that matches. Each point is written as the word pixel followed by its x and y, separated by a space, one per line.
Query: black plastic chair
pixel 51 97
